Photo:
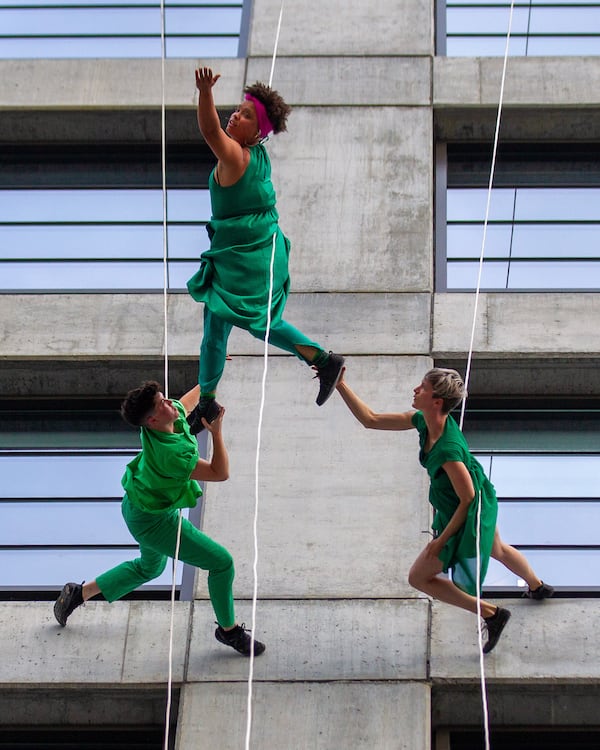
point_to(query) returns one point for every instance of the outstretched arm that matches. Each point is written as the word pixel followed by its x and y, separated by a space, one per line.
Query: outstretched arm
pixel 367 417
pixel 217 469
pixel 190 399
pixel 226 149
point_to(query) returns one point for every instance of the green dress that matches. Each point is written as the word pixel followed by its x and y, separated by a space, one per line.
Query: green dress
pixel 460 552
pixel 233 278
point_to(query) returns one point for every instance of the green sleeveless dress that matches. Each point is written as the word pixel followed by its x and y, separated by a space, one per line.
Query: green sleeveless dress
pixel 233 278
pixel 460 552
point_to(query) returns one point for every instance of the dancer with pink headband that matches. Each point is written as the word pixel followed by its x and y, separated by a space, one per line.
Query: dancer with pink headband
pixel 233 278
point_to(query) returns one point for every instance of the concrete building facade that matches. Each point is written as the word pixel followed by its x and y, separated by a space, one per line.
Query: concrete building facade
pixel 355 657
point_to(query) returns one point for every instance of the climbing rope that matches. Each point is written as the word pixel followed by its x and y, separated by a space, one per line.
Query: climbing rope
pixel 484 698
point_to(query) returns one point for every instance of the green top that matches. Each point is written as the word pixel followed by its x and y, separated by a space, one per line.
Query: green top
pixel 158 478
pixel 460 552
pixel 233 278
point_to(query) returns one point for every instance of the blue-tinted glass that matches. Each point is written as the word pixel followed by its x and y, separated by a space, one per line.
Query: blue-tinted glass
pixel 546 476
pixel 121 276
pixel 112 205
pixel 60 476
pixel 465 241
pixel 469 204
pixel 179 273
pixel 80 205
pixel 51 568
pixel 464 275
pixel 573 568
pixel 463 46
pixel 556 523
pixel 558 241
pixel 491 20
pixel 554 275
pixel 203 20
pixel 558 204
pixel 84 47
pixel 76 21
pixel 197 47
pixel 571 20
pixel 557 46
pixel 188 205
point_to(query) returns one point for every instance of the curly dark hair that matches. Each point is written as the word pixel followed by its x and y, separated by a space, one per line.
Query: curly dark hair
pixel 277 109
pixel 139 403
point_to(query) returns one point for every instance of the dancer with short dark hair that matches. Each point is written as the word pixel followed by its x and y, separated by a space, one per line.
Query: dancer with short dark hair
pixel 159 481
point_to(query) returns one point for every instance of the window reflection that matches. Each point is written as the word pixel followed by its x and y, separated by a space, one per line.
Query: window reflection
pixel 120 29
pixel 538 28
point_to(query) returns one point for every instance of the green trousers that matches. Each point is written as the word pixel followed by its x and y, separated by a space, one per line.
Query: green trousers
pixel 156 534
pixel 213 350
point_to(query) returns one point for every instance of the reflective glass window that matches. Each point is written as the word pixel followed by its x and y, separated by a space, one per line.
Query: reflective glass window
pixel 542 232
pixel 479 28
pixel 98 224
pixel 123 29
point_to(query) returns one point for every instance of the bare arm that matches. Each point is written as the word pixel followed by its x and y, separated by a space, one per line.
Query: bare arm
pixel 217 469
pixel 233 159
pixel 190 399
pixel 370 419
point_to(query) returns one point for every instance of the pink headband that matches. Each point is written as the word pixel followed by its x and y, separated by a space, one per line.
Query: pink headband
pixel 264 124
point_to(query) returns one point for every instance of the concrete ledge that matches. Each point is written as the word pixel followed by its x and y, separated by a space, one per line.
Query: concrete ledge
pixel 330 716
pixel 110 644
pixel 544 81
pixel 551 640
pixel 522 324
pixel 131 325
pixel 348 81
pixel 352 639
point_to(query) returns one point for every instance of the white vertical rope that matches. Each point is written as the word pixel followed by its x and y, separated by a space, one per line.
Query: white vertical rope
pixel 484 698
pixel 256 495
pixel 258 442
pixel 163 144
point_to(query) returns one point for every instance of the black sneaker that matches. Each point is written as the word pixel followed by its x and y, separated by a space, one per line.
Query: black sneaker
pixel 69 599
pixel 329 375
pixel 239 639
pixel 495 625
pixel 542 592
pixel 209 409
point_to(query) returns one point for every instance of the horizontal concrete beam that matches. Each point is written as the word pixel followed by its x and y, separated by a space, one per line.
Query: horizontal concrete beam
pixel 543 81
pixel 551 640
pixel 323 716
pixel 131 326
pixel 520 324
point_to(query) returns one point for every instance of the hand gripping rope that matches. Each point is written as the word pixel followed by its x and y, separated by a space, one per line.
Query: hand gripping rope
pixel 484 699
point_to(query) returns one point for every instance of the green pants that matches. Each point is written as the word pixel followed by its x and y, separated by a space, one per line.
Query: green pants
pixel 156 534
pixel 213 350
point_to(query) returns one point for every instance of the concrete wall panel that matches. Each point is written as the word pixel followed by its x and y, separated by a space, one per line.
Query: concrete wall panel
pixel 310 27
pixel 358 639
pixel 347 81
pixel 117 644
pixel 342 511
pixel 518 324
pixel 530 81
pixel 323 716
pixel 130 325
pixel 354 196
pixel 550 640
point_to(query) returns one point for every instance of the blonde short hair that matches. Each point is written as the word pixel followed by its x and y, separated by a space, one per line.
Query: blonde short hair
pixel 448 385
